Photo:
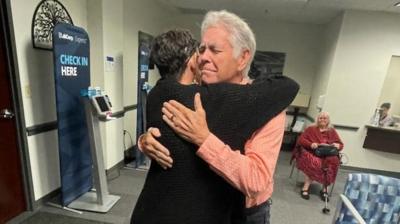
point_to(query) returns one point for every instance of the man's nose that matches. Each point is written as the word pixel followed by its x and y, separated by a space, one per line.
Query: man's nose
pixel 204 57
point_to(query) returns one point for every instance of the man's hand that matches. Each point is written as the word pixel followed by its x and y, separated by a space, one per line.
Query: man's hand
pixel 190 125
pixel 149 145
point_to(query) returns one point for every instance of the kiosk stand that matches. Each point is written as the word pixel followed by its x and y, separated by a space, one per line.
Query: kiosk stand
pixel 97 108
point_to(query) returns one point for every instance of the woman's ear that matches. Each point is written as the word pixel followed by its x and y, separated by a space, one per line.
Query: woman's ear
pixel 192 62
pixel 194 68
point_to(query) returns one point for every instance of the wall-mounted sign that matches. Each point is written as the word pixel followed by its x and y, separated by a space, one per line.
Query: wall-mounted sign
pixel 47 14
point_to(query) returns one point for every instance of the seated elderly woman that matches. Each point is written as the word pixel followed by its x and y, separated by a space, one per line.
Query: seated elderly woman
pixel 311 165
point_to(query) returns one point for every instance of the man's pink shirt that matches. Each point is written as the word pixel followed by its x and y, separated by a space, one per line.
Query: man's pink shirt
pixel 251 173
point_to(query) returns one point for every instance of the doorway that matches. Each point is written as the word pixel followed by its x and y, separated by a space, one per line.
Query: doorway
pixel 12 191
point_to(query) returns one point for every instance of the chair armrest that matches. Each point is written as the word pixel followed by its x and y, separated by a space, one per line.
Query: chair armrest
pixel 352 209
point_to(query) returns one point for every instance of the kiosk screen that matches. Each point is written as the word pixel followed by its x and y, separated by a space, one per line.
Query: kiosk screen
pixel 101 101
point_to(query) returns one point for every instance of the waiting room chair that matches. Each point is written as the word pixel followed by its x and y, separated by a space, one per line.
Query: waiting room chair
pixel 369 198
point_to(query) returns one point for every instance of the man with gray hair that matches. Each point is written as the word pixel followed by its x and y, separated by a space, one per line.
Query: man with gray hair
pixel 226 51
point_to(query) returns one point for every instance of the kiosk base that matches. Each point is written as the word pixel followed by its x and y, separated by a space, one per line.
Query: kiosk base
pixel 88 202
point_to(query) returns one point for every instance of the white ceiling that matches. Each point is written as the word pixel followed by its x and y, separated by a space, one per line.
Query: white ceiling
pixel 299 11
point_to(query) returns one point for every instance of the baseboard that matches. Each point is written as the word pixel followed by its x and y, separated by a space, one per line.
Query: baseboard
pixel 110 173
pixel 54 195
pixel 113 172
pixel 129 154
pixel 373 171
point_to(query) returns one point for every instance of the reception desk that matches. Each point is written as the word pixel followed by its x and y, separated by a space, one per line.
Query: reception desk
pixel 386 139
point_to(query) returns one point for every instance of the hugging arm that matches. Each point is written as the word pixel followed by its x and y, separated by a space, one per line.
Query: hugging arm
pixel 274 92
pixel 244 107
pixel 251 172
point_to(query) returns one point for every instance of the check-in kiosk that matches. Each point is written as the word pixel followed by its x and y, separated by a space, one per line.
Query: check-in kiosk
pixel 97 108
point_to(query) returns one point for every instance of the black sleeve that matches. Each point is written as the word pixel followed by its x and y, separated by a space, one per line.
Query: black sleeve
pixel 247 107
pixel 233 111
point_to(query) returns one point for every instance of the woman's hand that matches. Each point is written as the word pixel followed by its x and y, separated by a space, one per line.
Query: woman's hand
pixel 314 145
pixel 336 145
pixel 150 146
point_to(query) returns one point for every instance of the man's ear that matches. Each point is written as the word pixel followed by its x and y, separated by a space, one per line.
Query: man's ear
pixel 243 59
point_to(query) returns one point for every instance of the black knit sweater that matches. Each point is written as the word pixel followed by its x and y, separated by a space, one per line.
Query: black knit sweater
pixel 189 192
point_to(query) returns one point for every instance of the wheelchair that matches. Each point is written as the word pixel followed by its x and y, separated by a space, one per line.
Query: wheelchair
pixel 323 152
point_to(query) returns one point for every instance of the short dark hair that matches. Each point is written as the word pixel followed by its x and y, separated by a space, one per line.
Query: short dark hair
pixel 171 50
pixel 385 105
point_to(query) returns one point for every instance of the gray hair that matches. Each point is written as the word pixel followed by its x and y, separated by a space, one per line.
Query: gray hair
pixel 242 37
pixel 326 114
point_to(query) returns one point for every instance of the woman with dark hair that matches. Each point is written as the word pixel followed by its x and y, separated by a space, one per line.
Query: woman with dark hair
pixel 173 53
pixel 190 192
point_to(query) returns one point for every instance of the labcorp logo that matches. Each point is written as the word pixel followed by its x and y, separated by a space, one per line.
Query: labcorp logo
pixel 65 36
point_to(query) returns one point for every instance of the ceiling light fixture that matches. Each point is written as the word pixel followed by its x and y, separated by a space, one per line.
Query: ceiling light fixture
pixel 397 4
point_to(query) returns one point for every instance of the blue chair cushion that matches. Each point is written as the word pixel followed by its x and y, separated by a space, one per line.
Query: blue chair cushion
pixel 376 198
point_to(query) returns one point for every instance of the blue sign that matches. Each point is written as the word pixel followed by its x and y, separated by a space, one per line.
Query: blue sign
pixel 143 76
pixel 72 74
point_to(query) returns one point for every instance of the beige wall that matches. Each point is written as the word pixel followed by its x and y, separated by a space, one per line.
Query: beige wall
pixel 326 54
pixel 105 21
pixel 150 17
pixel 36 66
pixel 300 42
pixel 366 43
pixel 390 90
pixel 113 80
